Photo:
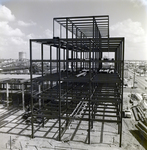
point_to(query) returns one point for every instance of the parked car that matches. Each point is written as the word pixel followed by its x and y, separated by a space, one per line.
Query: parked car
pixel 128 114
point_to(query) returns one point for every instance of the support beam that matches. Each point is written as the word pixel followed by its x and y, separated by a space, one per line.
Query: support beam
pixel 23 100
pixel 7 94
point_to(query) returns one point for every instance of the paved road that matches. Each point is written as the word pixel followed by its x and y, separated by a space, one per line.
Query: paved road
pixel 141 84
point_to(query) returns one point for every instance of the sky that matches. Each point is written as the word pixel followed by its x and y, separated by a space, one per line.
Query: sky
pixel 21 20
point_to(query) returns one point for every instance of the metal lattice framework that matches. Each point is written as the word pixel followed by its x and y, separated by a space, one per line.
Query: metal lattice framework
pixel 81 83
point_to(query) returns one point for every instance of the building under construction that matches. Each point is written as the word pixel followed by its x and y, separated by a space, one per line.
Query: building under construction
pixel 85 77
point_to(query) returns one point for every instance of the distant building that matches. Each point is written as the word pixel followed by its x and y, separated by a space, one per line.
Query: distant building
pixel 22 56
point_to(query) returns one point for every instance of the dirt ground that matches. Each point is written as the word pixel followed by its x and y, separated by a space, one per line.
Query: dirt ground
pixel 106 140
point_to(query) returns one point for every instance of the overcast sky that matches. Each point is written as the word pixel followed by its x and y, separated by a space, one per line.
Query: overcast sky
pixel 21 20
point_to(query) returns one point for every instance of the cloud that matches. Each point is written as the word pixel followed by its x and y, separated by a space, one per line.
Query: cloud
pixel 6 14
pixel 12 39
pixel 48 33
pixel 3 42
pixel 135 38
pixel 26 24
pixel 30 36
pixel 133 31
pixel 18 41
pixel 7 30
pixel 138 3
pixel 5 17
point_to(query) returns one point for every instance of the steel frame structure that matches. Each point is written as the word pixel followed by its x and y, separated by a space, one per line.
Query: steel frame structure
pixel 78 82
pixel 10 88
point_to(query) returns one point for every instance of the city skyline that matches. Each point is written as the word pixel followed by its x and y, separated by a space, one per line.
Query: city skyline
pixel 23 20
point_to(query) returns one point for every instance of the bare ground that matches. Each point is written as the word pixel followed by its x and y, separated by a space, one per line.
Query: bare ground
pixel 14 134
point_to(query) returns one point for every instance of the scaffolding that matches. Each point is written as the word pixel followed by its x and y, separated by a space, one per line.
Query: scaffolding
pixel 81 82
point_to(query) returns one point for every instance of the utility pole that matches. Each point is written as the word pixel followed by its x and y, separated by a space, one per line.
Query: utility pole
pixel 134 79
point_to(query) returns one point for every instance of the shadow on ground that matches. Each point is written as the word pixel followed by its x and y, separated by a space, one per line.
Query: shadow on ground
pixel 139 138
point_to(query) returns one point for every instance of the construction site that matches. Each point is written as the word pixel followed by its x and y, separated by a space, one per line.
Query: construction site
pixel 78 95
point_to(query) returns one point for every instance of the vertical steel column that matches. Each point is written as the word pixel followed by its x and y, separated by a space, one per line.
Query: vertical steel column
pixel 118 60
pixel 42 61
pixel 122 91
pixel 80 59
pixel 92 109
pixel 100 52
pixel 67 52
pixel 59 84
pixel 89 102
pixel 76 48
pixel 23 102
pixel 31 80
pixel 72 51
pixel 86 59
pixel 108 35
pixel 119 54
pixel 83 59
pixel 64 59
pixel 51 82
pixel 53 27
pixel 97 45
pixel 67 67
pixel 50 59
pixel 81 52
pixel 39 90
pixel 42 69
pixel 75 56
pixel 7 94
pixel 120 87
pixel 115 60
